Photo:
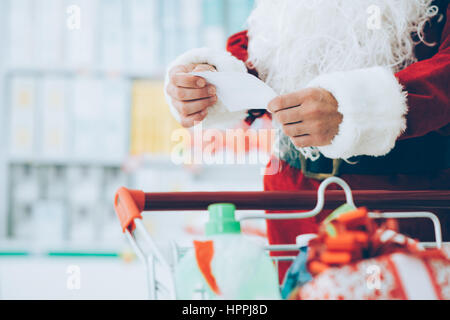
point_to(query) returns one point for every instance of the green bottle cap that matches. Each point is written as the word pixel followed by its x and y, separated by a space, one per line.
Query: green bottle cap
pixel 222 219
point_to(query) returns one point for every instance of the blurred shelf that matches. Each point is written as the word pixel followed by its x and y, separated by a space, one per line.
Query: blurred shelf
pixel 143 45
pixel 17 248
pixel 65 161
pixel 93 72
pixel 65 254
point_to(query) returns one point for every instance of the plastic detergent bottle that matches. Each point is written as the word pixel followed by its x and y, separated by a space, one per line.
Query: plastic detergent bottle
pixel 227 264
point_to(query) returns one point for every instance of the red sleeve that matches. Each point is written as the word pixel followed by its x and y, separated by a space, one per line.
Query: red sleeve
pixel 237 45
pixel 427 83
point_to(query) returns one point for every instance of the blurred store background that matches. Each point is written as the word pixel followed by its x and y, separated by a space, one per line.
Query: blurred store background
pixel 82 113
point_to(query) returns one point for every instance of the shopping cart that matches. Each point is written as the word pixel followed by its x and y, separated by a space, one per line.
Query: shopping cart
pixel 130 204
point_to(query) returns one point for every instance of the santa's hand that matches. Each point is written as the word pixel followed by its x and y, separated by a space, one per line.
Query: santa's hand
pixel 309 117
pixel 191 95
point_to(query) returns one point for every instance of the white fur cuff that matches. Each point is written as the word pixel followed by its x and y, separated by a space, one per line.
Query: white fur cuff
pixel 373 106
pixel 218 116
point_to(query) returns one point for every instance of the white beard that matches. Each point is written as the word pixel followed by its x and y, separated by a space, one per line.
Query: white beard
pixel 293 41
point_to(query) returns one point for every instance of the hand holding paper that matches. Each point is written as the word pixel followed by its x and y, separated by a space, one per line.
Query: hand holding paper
pixel 188 95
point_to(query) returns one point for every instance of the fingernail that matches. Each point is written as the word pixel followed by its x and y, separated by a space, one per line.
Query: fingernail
pixel 212 90
pixel 201 83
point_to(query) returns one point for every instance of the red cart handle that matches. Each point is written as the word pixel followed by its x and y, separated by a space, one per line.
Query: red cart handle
pixel 129 204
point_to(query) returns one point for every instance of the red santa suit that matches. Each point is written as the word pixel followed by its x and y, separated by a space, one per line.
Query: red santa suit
pixel 390 79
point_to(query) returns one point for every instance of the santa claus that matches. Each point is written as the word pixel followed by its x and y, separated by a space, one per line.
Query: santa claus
pixel 363 93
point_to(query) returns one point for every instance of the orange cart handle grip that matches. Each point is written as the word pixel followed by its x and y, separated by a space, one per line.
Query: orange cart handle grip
pixel 129 205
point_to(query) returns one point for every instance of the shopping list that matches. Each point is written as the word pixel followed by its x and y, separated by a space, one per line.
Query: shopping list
pixel 239 91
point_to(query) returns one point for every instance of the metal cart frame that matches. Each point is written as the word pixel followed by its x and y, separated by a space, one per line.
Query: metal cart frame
pixel 130 204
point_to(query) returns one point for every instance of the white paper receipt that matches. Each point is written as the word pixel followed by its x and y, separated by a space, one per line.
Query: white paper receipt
pixel 239 91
